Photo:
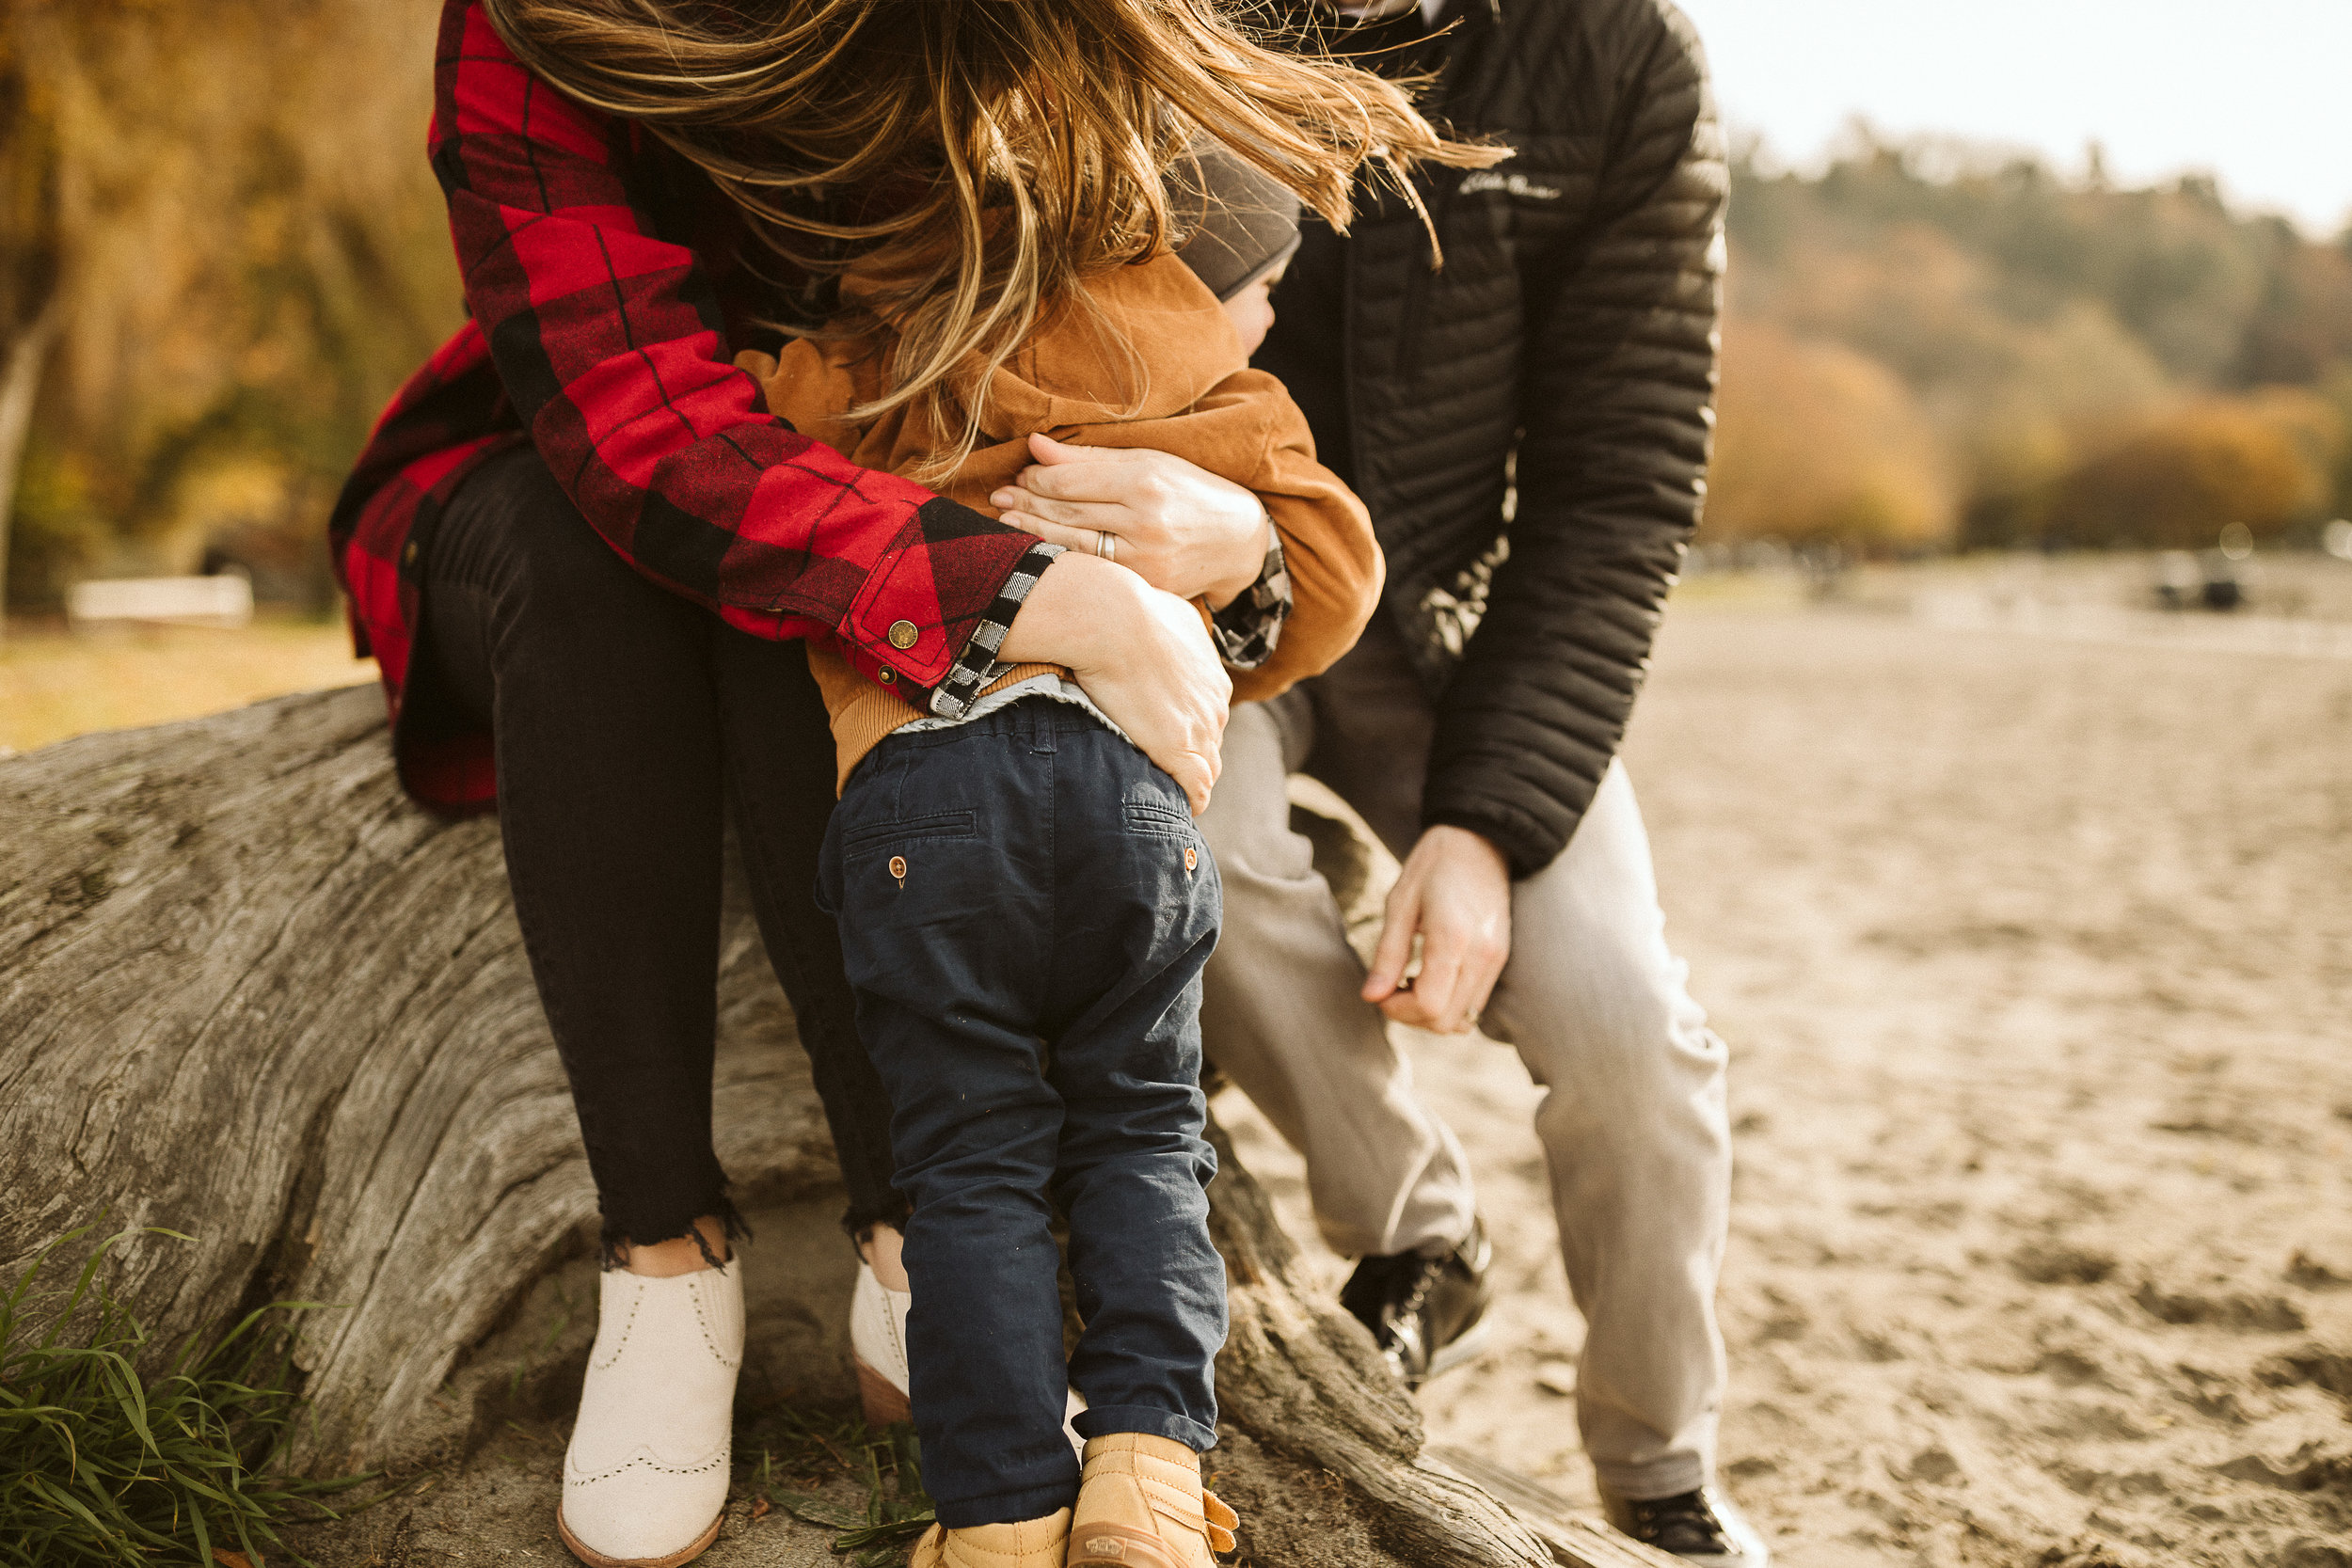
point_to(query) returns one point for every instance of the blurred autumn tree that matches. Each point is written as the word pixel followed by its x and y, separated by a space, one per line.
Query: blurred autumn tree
pixel 2177 477
pixel 221 250
pixel 1821 443
pixel 2044 348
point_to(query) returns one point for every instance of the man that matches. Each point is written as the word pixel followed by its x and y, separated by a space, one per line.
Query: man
pixel 1528 419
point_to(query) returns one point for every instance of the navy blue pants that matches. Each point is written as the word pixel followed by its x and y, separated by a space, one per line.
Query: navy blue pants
pixel 1025 910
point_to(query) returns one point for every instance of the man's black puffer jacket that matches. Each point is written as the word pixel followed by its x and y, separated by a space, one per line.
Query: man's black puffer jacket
pixel 1571 336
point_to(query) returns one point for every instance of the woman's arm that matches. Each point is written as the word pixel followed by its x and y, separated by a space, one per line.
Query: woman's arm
pixel 1183 528
pixel 611 346
pixel 1144 657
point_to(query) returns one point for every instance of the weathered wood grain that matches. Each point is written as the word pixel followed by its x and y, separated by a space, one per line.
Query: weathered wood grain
pixel 249 992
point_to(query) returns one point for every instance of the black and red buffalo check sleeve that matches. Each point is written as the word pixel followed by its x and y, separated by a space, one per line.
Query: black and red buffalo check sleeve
pixel 612 349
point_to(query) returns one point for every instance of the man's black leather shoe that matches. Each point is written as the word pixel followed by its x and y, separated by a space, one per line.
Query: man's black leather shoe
pixel 1702 1526
pixel 1426 1310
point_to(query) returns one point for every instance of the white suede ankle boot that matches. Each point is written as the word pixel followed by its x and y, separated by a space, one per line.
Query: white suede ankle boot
pixel 646 1477
pixel 878 1345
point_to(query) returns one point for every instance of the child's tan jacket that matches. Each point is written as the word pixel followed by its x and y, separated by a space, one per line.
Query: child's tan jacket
pixel 1185 389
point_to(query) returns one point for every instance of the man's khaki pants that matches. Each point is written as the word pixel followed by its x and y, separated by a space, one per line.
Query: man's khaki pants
pixel 1633 1126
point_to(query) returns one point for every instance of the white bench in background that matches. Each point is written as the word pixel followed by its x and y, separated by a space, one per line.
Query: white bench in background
pixel 225 601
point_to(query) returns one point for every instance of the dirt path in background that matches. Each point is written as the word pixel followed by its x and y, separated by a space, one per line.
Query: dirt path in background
pixel 53 684
pixel 2035 959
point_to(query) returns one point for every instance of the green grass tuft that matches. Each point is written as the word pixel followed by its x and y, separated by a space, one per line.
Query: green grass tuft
pixel 102 1462
pixel 813 1447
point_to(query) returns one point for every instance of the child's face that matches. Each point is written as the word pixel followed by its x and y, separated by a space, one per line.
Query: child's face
pixel 1253 309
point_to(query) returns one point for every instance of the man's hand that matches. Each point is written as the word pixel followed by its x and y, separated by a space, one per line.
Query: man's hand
pixel 1455 893
pixel 1179 527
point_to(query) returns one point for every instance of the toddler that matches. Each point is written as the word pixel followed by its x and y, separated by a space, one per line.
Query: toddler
pixel 1026 908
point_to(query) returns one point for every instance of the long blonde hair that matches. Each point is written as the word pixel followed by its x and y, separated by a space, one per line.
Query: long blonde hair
pixel 970 159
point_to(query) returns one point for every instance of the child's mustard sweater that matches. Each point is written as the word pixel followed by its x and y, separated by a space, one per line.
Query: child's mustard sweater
pixel 1181 385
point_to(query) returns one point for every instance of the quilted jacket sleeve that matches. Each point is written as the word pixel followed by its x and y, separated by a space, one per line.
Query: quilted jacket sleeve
pixel 1617 424
pixel 612 347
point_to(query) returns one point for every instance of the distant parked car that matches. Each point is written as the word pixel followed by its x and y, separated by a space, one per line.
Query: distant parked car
pixel 2188 579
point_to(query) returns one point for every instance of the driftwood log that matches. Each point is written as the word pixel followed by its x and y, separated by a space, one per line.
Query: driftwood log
pixel 249 992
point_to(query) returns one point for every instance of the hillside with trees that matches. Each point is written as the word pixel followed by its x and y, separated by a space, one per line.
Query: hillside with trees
pixel 221 248
pixel 1929 346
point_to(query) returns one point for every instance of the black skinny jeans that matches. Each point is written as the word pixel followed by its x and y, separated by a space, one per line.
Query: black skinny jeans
pixel 628 721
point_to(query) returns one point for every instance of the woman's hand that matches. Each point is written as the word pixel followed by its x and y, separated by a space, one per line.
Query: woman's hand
pixel 1141 655
pixel 1180 528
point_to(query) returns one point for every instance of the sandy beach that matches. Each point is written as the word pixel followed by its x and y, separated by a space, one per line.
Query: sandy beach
pixel 2034 954
pixel 2030 931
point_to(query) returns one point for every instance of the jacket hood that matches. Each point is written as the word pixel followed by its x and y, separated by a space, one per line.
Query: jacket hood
pixel 1085 367
pixel 1077 370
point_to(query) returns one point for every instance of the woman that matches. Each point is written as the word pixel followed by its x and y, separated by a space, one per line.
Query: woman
pixel 581 549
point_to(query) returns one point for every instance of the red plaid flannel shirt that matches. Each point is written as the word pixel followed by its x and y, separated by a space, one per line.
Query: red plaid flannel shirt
pixel 597 271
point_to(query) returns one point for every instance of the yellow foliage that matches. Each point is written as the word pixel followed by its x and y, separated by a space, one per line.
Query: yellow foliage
pixel 2001 392
pixel 243 200
pixel 2176 479
pixel 1816 442
pixel 2052 332
pixel 250 251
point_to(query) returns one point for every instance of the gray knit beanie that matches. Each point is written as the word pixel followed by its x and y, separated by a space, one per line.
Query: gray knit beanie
pixel 1238 225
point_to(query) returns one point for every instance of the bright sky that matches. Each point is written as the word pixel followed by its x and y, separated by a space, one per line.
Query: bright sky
pixel 2258 92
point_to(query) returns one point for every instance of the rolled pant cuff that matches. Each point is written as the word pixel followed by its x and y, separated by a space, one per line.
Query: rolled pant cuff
pixel 1006 1508
pixel 1104 1420
pixel 1670 1477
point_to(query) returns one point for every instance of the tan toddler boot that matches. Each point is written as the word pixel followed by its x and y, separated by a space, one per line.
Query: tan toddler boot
pixel 1030 1544
pixel 1142 1505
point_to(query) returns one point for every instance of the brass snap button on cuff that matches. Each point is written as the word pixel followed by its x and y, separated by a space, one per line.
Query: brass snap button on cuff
pixel 902 635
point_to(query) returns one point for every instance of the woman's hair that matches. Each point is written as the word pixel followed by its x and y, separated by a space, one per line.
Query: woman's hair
pixel 970 159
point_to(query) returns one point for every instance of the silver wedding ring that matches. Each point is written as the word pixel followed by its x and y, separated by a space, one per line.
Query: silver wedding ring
pixel 1104 545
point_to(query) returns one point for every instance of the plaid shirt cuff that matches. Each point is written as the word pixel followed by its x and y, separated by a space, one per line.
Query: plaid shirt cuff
pixel 951 696
pixel 1248 630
